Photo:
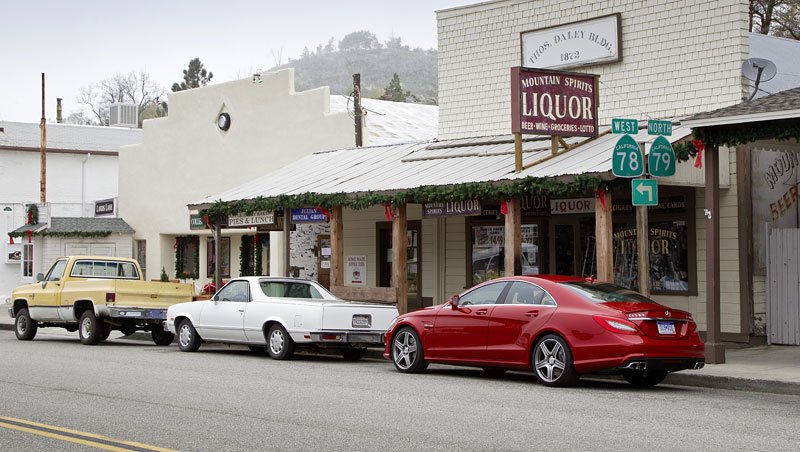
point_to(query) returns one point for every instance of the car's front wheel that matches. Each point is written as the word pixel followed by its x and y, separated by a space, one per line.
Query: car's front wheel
pixel 188 339
pixel 279 344
pixel 24 326
pixel 407 353
pixel 552 362
pixel 646 379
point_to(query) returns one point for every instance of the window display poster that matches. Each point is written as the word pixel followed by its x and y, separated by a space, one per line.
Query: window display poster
pixel 355 270
pixel 14 253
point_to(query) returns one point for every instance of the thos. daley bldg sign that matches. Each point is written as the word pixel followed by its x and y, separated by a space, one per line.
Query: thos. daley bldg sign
pixel 584 43
pixel 545 102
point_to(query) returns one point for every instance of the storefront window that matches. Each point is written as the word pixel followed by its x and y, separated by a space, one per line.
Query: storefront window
pixel 27 260
pixel 669 256
pixel 225 262
pixel 488 253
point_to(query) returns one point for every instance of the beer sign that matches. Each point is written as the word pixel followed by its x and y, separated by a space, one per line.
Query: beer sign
pixel 545 102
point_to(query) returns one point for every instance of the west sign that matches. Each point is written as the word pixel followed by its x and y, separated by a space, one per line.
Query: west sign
pixel 545 102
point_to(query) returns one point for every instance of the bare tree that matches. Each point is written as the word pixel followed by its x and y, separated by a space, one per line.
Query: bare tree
pixel 775 17
pixel 137 88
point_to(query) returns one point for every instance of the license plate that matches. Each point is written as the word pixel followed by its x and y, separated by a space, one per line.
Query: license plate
pixel 362 321
pixel 666 328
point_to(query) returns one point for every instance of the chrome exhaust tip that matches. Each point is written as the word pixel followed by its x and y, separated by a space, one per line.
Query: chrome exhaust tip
pixel 699 365
pixel 636 365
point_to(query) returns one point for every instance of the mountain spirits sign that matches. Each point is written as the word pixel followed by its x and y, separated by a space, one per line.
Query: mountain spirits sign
pixel 553 103
pixel 589 42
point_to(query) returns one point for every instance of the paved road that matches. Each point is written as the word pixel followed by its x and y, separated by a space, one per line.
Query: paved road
pixel 225 398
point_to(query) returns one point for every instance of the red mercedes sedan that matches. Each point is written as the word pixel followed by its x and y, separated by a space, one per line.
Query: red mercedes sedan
pixel 560 327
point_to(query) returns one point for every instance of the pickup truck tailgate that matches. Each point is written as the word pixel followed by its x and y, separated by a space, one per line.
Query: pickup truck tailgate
pixel 359 316
pixel 147 294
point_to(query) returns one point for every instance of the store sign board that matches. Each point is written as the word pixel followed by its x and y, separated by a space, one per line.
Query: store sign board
pixel 104 208
pixel 308 215
pixel 263 217
pixel 451 208
pixel 644 192
pixel 627 160
pixel 356 270
pixel 657 127
pixel 661 160
pixel 196 222
pixel 545 102
pixel 622 125
pixel 573 205
pixel 588 42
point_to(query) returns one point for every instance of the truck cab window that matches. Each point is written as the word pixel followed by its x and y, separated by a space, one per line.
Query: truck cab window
pixel 57 271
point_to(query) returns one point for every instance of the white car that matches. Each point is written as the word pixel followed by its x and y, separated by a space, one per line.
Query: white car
pixel 275 314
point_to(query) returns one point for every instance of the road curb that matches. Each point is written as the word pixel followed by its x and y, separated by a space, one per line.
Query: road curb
pixel 7 326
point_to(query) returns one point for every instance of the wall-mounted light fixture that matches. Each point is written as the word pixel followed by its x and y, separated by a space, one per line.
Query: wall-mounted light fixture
pixel 7 209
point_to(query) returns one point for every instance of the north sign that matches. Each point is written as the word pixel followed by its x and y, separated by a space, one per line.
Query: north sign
pixel 661 160
pixel 656 127
pixel 644 192
pixel 627 160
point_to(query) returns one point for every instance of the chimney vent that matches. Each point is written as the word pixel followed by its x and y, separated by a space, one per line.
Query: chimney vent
pixel 59 119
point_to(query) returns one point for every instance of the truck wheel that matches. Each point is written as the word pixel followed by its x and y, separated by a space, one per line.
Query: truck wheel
pixel 90 330
pixel 188 339
pixel 161 336
pixel 279 344
pixel 24 327
pixel 353 354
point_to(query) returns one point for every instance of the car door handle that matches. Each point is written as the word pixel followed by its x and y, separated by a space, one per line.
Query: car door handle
pixel 534 313
pixel 481 312
pixel 241 310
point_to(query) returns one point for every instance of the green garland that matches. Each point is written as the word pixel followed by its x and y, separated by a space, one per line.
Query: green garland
pixel 33 214
pixel 684 151
pixel 259 265
pixel 740 134
pixel 250 260
pixel 180 246
pixel 66 234
pixel 460 192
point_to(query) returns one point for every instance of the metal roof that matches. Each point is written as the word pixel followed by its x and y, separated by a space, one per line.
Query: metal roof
pixel 392 122
pixel 783 105
pixel 68 136
pixel 431 163
pixel 78 224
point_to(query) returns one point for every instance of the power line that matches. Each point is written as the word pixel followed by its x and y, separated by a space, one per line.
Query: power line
pixel 626 100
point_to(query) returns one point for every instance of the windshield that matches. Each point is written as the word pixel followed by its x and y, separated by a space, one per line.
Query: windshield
pixel 291 289
pixel 597 292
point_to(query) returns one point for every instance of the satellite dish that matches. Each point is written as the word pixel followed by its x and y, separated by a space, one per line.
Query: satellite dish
pixel 759 70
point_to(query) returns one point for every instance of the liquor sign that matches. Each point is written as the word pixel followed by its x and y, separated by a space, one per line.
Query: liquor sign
pixel 553 103
pixel 308 215
pixel 104 207
pixel 451 208
pixel 584 43
pixel 263 217
pixel 574 205
pixel 661 161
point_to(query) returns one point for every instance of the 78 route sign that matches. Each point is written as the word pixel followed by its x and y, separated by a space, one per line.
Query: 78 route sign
pixel 627 160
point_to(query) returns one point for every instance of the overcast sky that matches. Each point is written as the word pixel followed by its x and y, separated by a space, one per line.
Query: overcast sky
pixel 78 42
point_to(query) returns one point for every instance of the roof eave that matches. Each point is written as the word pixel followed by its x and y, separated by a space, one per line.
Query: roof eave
pixel 739 119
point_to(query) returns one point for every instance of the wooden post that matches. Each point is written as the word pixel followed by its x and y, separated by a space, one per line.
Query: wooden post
pixel 337 247
pixel 715 350
pixel 217 250
pixel 357 109
pixel 643 242
pixel 517 152
pixel 603 233
pixel 43 126
pixel 554 145
pixel 400 258
pixel 513 238
pixel 287 242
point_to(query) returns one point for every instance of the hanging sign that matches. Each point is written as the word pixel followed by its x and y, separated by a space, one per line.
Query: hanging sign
pixel 263 217
pixel 661 160
pixel 451 208
pixel 553 103
pixel 308 215
pixel 657 127
pixel 584 43
pixel 627 160
pixel 573 205
pixel 104 208
pixel 196 222
pixel 355 270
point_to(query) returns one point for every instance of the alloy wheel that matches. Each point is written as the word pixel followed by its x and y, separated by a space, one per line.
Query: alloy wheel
pixel 185 336
pixel 22 325
pixel 405 350
pixel 549 360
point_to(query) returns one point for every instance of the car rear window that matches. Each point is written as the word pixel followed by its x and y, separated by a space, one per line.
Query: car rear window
pixel 597 292
pixel 289 289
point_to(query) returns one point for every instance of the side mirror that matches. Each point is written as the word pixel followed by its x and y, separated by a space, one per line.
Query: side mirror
pixel 454 301
pixel 39 277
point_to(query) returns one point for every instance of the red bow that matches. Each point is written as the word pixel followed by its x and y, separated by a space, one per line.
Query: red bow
pixel 29 235
pixel 699 145
pixel 504 207
pixel 30 216
pixel 324 211
pixel 175 246
pixel 10 240
pixel 389 212
pixel 599 193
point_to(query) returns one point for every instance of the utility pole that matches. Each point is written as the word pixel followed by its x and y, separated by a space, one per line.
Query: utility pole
pixel 357 108
pixel 43 126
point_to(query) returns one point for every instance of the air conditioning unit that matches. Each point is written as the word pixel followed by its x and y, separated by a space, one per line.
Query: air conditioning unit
pixel 123 115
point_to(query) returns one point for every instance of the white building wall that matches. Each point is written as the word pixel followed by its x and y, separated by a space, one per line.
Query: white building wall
pixel 185 157
pixel 679 57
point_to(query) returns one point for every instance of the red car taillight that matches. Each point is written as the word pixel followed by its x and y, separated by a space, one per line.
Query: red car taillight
pixel 617 325
pixel 111 297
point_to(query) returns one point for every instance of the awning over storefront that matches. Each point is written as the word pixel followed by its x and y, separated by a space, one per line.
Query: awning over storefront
pixel 779 106
pixel 75 226
pixel 386 169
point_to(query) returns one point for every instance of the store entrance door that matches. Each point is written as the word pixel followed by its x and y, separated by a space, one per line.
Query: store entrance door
pixel 413 256
pixel 572 247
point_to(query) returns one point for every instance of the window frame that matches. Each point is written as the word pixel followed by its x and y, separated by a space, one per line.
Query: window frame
pixel 93 261
pixel 230 283
pixel 500 295
pixel 546 292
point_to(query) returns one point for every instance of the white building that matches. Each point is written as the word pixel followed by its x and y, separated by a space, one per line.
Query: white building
pixel 82 166
pixel 221 135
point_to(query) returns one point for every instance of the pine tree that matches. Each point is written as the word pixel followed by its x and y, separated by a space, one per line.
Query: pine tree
pixel 394 92
pixel 194 76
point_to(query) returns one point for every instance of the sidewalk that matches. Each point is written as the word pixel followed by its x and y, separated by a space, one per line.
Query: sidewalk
pixel 773 369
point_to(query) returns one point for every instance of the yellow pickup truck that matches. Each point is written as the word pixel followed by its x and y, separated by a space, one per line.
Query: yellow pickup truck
pixel 95 295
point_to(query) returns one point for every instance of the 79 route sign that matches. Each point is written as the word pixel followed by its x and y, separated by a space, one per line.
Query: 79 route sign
pixel 627 160
pixel 661 161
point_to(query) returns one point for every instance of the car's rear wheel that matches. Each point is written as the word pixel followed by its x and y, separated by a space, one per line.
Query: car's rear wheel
pixel 407 353
pixel 24 326
pixel 279 344
pixel 646 379
pixel 161 336
pixel 552 362
pixel 353 354
pixel 188 339
pixel 90 328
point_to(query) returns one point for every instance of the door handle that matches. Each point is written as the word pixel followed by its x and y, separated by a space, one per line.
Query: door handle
pixel 534 313
pixel 153 295
pixel 241 310
pixel 481 312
